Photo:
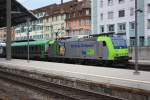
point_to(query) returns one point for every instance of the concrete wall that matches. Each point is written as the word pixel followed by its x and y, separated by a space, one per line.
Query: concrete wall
pixel 144 52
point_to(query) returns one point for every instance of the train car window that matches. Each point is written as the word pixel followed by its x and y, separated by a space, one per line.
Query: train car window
pixel 32 48
pixel 104 44
pixel 20 50
pixel 41 47
pixel 38 48
pixel 23 49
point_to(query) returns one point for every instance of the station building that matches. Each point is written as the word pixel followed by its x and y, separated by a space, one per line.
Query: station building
pixel 78 19
pixel 118 16
pixel 53 21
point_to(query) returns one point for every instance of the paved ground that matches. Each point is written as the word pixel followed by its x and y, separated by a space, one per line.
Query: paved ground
pixel 120 77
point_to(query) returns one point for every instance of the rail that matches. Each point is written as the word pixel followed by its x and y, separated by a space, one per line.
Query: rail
pixel 67 92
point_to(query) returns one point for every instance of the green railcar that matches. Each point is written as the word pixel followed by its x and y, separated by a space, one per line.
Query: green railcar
pixel 37 49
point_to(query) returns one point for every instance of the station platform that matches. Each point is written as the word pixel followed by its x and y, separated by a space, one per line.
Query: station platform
pixel 109 76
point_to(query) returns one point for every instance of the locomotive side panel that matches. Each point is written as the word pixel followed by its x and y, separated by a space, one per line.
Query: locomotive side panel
pixel 72 52
pixel 82 49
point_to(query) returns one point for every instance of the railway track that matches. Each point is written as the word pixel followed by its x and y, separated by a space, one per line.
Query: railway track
pixel 69 93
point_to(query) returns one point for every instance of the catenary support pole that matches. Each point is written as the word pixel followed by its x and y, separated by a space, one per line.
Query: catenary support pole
pixel 28 36
pixel 136 39
pixel 8 40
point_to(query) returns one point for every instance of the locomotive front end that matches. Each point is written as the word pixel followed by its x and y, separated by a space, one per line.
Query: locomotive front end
pixel 120 48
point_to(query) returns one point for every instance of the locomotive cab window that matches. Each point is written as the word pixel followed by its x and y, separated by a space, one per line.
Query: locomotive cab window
pixel 104 44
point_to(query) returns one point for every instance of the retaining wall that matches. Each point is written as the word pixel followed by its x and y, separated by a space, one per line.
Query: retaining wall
pixel 144 53
pixel 103 88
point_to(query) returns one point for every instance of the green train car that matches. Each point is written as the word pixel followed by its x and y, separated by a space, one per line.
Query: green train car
pixel 37 49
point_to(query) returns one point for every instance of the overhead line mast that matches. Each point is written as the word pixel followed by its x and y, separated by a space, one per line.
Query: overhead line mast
pixel 8 40
pixel 137 10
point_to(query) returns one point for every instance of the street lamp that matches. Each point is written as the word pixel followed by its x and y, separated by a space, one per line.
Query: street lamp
pixel 28 36
pixel 136 37
pixel 8 42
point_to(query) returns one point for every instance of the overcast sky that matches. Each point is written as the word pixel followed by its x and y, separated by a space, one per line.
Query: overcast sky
pixel 33 4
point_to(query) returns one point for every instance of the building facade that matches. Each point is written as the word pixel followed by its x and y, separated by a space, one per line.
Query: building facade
pixel 53 20
pixel 78 18
pixel 36 28
pixel 3 35
pixel 118 16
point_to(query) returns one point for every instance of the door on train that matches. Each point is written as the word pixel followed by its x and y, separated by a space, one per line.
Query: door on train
pixel 103 50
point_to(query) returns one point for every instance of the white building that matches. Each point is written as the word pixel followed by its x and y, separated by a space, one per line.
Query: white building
pixel 36 29
pixel 118 16
pixel 51 22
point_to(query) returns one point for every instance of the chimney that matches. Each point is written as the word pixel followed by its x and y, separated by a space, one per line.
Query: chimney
pixel 61 1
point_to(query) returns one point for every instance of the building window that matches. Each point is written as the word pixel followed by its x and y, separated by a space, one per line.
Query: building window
pixel 110 2
pixel 148 41
pixel 101 16
pixel 132 25
pixel 141 39
pixel 40 21
pixel 102 29
pixel 131 11
pixel 87 22
pixel 122 13
pixel 87 12
pixel 121 27
pixel 101 3
pixel 74 15
pixel 111 27
pixel 62 17
pixel 148 8
pixel 110 15
pixel 121 1
pixel 148 23
pixel 132 41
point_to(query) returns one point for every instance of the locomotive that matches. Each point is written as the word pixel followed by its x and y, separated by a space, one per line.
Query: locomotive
pixel 100 48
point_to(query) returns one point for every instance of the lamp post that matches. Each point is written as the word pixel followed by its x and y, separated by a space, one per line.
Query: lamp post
pixel 136 38
pixel 28 36
pixel 8 41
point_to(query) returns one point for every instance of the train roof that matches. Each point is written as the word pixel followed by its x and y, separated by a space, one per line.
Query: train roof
pixel 103 34
pixel 42 42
